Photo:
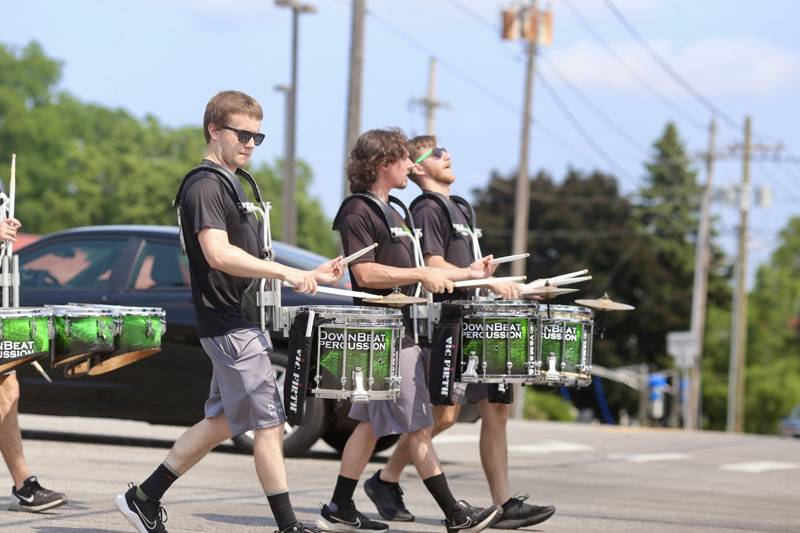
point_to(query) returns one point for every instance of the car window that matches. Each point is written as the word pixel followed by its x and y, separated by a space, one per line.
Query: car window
pixel 71 265
pixel 160 266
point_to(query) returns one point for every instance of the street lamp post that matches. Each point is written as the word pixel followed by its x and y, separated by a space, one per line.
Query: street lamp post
pixel 289 182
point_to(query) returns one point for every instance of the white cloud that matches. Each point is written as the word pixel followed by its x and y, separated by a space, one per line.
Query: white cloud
pixel 716 66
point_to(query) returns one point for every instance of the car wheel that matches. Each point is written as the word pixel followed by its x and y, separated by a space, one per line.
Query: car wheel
pixel 341 426
pixel 296 439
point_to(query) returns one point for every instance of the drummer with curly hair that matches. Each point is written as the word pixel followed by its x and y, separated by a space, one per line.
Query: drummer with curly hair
pixel 379 163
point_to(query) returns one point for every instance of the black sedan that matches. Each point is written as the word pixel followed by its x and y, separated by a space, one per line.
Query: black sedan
pixel 141 266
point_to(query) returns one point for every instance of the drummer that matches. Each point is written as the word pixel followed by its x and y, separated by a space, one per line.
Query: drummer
pixel 432 171
pixel 26 494
pixel 379 163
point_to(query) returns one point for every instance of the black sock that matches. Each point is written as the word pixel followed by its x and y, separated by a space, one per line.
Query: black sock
pixel 282 510
pixel 437 486
pixel 159 481
pixel 344 490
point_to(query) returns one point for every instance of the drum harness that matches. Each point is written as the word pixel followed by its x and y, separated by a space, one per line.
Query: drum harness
pixel 384 211
pixel 268 293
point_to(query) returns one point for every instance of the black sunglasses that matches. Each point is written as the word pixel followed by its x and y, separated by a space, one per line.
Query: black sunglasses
pixel 436 153
pixel 244 136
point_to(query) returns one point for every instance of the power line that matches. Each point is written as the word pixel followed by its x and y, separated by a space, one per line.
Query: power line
pixel 666 67
pixel 582 131
pixel 478 85
pixel 649 87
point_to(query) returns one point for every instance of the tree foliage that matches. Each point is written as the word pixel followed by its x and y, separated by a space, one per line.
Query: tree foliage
pixel 80 163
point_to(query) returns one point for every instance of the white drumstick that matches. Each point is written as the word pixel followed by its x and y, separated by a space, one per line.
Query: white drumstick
pixel 562 277
pixel 486 281
pixel 353 257
pixel 39 368
pixel 525 289
pixel 509 258
pixel 340 292
pixel 570 281
pixel 310 324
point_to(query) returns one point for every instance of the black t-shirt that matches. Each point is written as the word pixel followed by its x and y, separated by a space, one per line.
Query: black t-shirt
pixel 438 239
pixel 359 227
pixel 207 202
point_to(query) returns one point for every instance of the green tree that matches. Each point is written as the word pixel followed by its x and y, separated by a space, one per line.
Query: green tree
pixel 773 344
pixel 82 164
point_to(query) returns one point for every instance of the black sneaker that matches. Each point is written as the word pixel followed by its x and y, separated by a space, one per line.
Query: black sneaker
pixel 388 499
pixel 468 519
pixel 34 498
pixel 147 516
pixel 347 519
pixel 299 528
pixel 517 513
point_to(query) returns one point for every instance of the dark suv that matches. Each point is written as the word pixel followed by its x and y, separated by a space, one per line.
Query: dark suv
pixel 142 266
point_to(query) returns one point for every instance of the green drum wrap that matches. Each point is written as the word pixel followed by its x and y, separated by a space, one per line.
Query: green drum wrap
pixel 565 345
pixel 501 335
pixel 138 336
pixel 367 349
pixel 356 353
pixel 81 332
pixel 26 334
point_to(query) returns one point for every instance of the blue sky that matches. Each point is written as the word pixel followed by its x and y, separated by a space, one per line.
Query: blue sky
pixel 168 57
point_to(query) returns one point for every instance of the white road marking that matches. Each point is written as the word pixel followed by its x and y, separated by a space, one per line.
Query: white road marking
pixel 455 439
pixel 550 446
pixel 756 467
pixel 649 457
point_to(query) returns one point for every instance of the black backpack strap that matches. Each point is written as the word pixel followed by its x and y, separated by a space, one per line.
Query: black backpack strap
pixel 449 205
pixel 383 210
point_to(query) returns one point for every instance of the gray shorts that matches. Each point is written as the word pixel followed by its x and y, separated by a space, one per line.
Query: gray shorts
pixel 243 386
pixel 408 413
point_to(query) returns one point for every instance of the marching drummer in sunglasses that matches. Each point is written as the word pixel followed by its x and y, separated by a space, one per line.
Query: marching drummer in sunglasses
pixel 442 248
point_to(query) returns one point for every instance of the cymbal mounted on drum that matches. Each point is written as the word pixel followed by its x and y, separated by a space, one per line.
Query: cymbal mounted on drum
pixel 602 305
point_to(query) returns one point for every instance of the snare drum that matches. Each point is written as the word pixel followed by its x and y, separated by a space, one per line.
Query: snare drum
pixel 356 353
pixel 497 341
pixel 137 336
pixel 81 332
pixel 565 345
pixel 25 335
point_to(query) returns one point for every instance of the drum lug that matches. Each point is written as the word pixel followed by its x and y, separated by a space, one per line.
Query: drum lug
pixel 33 329
pixel 470 375
pixel 67 326
pixel 509 366
pixel 552 374
pixel 149 330
pixel 359 393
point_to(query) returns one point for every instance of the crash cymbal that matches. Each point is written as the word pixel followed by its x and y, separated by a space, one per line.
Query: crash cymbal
pixel 397 299
pixel 548 291
pixel 605 304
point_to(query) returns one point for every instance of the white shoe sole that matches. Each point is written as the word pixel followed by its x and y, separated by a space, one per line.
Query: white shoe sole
pixel 482 525
pixel 324 525
pixel 130 516
pixel 15 506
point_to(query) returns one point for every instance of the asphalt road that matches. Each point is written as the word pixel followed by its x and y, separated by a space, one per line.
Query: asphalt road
pixel 599 478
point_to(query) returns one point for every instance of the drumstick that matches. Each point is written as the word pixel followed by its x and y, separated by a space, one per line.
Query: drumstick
pixel 39 368
pixel 340 292
pixel 562 277
pixel 509 258
pixel 353 257
pixel 12 185
pixel 525 289
pixel 486 281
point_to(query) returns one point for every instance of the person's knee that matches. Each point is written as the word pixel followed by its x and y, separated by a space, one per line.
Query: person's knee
pixel 9 394
pixel 421 436
pixel 444 417
pixel 494 414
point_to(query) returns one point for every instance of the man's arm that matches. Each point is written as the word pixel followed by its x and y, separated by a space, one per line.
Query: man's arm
pixel 508 291
pixel 370 275
pixel 232 260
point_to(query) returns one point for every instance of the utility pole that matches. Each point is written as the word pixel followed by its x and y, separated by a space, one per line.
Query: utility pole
pixel 735 419
pixel 523 187
pixel 353 119
pixel 289 233
pixel 700 291
pixel 429 104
